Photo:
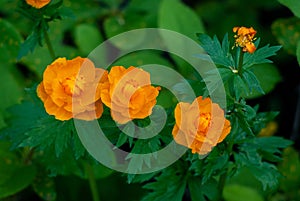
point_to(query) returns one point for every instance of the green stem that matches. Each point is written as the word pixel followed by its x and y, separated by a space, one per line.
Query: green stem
pixel 221 185
pixel 240 64
pixel 49 45
pixel 92 182
pixel 223 177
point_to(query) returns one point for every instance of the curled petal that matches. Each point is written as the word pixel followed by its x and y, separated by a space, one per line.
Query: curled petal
pixel 200 126
pixel 72 89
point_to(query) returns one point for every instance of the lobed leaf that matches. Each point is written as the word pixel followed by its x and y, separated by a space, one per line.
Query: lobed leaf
pixel 202 192
pixel 215 164
pixel 260 55
pixel 169 185
pixel 218 53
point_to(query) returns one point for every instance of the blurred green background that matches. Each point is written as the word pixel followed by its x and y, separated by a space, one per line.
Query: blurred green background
pixel 94 21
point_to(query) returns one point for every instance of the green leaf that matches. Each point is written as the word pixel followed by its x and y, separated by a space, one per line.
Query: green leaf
pixel 22 117
pixel 260 55
pixel 122 139
pixel 214 165
pixel 140 58
pixel 242 119
pixel 239 86
pixel 14 174
pixel 19 180
pixel 235 192
pixel 262 119
pixel 213 82
pixel 176 16
pixel 55 143
pixel 287 33
pixel 166 99
pixel 218 53
pixel 290 168
pixel 267 174
pixel 29 44
pixel 39 59
pixel 65 164
pixel 84 11
pixel 251 154
pixel 187 22
pixel 140 178
pixel 78 148
pixel 87 37
pixel 202 192
pixel 100 171
pixel 44 187
pixel 49 132
pixel 9 42
pixel 270 147
pixel 298 53
pixel 12 89
pixel 169 185
pixel 264 78
pixel 253 85
pixel 118 24
pixel 9 162
pixel 294 6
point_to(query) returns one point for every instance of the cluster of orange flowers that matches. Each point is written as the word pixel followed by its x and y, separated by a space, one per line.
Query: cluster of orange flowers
pixel 77 89
pixel 244 38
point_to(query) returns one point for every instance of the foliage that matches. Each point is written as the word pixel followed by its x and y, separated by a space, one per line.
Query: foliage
pixel 41 155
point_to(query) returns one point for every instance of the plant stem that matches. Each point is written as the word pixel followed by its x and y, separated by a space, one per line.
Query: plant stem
pixel 221 185
pixel 49 45
pixel 92 181
pixel 240 64
pixel 223 177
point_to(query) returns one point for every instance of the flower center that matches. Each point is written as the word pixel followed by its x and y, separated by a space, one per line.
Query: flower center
pixel 73 86
pixel 130 87
pixel 204 123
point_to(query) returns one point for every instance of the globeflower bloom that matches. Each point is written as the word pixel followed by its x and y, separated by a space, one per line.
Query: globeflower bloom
pixel 38 3
pixel 200 126
pixel 244 38
pixel 72 88
pixel 129 94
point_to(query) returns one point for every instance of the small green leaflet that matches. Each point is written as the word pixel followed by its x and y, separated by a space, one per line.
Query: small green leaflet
pixel 260 55
pixel 169 185
pixel 218 53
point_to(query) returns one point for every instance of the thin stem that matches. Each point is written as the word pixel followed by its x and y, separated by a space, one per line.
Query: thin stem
pixel 49 45
pixel 221 185
pixel 223 177
pixel 92 181
pixel 240 64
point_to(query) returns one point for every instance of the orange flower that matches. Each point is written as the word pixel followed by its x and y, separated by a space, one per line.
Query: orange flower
pixel 244 38
pixel 200 125
pixel 71 89
pixel 38 3
pixel 129 94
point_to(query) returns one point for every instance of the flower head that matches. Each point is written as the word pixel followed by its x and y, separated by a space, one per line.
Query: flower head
pixel 200 125
pixel 71 89
pixel 38 3
pixel 244 38
pixel 129 94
